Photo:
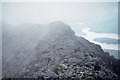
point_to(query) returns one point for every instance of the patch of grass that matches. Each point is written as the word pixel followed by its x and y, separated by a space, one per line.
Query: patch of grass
pixel 90 78
pixel 57 69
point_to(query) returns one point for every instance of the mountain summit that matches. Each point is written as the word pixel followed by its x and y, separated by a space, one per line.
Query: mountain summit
pixel 53 51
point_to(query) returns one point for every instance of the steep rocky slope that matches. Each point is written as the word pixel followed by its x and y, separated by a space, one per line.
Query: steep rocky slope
pixel 53 51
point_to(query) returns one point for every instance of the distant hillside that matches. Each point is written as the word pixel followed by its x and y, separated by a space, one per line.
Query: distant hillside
pixel 107 40
pixel 112 52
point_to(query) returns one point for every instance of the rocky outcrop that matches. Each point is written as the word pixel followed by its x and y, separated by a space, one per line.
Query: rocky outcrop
pixel 53 51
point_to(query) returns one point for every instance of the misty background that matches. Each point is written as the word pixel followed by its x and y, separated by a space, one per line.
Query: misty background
pixel 95 21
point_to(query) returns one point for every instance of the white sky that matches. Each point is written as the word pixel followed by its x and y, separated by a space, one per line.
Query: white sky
pixel 70 13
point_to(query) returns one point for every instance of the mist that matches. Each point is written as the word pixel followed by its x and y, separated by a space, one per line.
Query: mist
pixel 57 39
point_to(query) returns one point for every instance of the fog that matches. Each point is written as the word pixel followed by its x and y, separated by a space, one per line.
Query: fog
pixel 42 35
pixel 70 13
pixel 99 17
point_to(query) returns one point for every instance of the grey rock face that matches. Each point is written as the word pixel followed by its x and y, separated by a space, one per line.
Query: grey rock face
pixel 52 50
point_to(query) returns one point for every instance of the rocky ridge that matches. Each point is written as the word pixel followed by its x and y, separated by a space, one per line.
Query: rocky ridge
pixel 53 51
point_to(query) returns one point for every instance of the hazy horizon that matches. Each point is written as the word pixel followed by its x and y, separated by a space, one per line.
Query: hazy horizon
pixel 88 19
